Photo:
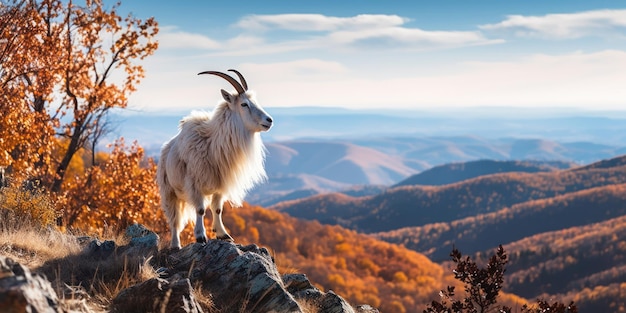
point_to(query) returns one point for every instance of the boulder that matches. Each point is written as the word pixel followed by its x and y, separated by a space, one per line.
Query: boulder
pixel 158 295
pixel 99 250
pixel 328 302
pixel 21 291
pixel 140 236
pixel 240 278
pixel 143 242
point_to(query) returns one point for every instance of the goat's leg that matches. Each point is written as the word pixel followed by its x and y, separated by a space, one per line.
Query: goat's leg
pixel 199 231
pixel 217 207
pixel 175 235
pixel 174 210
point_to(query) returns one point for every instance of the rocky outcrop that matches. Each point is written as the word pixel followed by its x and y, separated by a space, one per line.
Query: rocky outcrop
pixel 21 291
pixel 238 277
pixel 234 278
pixel 158 295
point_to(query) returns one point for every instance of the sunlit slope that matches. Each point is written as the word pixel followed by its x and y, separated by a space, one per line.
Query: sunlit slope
pixel 356 266
pixel 417 205
pixel 456 172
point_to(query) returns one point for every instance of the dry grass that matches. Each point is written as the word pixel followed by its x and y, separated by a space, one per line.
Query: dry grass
pixel 26 231
pixel 79 281
pixel 31 244
pixel 308 306
pixel 82 283
pixel 109 280
pixel 101 279
pixel 204 299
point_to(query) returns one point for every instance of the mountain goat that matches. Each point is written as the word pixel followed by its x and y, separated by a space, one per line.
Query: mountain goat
pixel 216 157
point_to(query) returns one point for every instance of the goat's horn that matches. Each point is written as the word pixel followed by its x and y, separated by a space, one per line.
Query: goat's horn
pixel 243 80
pixel 231 80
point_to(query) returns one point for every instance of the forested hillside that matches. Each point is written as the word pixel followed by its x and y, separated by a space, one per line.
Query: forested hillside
pixel 564 229
pixel 356 266
pixel 485 231
pixel 456 172
pixel 418 205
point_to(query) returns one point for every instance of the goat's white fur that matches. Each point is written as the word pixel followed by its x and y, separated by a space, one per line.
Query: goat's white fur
pixel 216 156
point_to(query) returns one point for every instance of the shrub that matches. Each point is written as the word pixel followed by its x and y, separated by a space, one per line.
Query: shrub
pixel 19 205
pixel 482 287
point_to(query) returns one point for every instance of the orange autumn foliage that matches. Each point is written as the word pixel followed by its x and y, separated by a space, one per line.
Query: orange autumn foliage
pixel 355 266
pixel 56 63
pixel 118 192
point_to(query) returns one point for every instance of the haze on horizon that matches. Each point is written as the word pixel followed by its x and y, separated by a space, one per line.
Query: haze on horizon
pixel 400 55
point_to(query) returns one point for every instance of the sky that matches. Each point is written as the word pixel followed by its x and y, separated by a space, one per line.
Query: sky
pixel 365 54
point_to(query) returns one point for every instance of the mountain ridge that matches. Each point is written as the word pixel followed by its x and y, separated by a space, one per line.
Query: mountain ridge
pixel 420 205
pixel 459 171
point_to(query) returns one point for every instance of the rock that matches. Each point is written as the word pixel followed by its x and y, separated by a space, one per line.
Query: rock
pixel 143 242
pixel 245 278
pixel 21 291
pixel 241 279
pixel 301 288
pixel 140 236
pixel 158 295
pixel 98 250
pixel 364 308
pixel 296 282
pixel 333 303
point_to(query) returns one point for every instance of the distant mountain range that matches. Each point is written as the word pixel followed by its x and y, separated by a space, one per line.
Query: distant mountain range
pixel 307 167
pixel 561 125
pixel 455 172
pixel 418 205
pixel 564 229
pixel 362 127
pixel 319 150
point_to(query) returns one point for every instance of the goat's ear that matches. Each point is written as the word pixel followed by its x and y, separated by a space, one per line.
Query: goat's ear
pixel 227 96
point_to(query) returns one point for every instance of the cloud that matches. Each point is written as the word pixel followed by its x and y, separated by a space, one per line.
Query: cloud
pixel 318 22
pixel 299 70
pixel 581 80
pixel 409 38
pixel 285 33
pixel 171 38
pixel 362 32
pixel 564 26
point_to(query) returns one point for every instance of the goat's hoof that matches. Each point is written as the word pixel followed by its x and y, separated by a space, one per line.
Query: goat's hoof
pixel 226 237
pixel 201 239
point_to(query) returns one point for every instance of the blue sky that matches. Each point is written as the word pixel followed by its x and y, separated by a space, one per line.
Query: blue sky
pixel 389 54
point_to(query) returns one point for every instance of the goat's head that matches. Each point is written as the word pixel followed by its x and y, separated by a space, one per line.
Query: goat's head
pixel 254 117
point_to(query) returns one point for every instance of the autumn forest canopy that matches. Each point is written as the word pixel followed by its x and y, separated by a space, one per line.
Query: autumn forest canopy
pixel 58 60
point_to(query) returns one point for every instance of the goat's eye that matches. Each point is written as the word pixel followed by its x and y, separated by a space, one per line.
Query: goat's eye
pixel 244 104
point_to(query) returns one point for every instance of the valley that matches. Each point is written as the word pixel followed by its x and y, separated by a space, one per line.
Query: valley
pixel 551 189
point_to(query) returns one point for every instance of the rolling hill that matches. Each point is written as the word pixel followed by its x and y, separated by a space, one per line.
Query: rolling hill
pixel 298 169
pixel 564 229
pixel 456 172
pixel 572 259
pixel 418 205
pixel 309 167
pixel 586 264
pixel 337 161
pixel 485 231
